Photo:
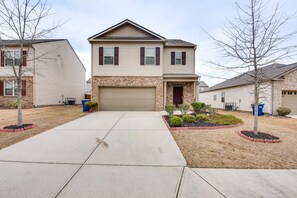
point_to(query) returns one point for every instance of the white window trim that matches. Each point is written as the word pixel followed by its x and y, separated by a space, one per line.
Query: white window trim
pixel 223 95
pixel 150 56
pixel 13 88
pixel 108 56
pixel 214 97
pixel 181 58
pixel 13 57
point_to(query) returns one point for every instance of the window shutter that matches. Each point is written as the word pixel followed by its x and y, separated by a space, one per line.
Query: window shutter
pixel 1 88
pixel 184 58
pixel 100 55
pixel 142 56
pixel 24 58
pixel 23 87
pixel 116 55
pixel 172 58
pixel 157 55
pixel 2 58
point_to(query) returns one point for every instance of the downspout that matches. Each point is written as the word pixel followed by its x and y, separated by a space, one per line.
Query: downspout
pixel 271 99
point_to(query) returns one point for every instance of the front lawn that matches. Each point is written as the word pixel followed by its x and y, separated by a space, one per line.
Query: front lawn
pixel 224 148
pixel 44 118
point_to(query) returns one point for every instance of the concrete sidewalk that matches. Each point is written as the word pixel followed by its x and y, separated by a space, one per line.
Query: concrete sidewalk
pixel 123 154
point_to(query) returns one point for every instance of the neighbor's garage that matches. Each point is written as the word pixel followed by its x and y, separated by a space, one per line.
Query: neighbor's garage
pixel 127 98
pixel 290 100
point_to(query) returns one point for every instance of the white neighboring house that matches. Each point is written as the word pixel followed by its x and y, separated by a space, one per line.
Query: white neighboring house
pixel 89 86
pixel 53 72
pixel 203 86
pixel 279 90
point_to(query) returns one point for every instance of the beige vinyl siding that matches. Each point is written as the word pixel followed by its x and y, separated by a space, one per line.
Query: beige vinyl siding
pixel 129 60
pixel 127 31
pixel 8 70
pixel 240 95
pixel 127 99
pixel 58 74
pixel 189 68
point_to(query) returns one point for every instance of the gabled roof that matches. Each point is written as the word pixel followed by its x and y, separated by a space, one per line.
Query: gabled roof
pixel 27 42
pixel 270 72
pixel 203 84
pixel 89 80
pixel 154 36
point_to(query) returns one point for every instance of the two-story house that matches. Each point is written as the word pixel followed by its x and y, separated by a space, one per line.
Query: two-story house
pixel 52 72
pixel 134 68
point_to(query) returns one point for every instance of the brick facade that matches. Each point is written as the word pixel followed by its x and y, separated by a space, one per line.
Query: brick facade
pixel 188 92
pixel 289 83
pixel 129 81
pixel 11 101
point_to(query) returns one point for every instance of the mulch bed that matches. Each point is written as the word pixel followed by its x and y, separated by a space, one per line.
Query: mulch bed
pixel 195 125
pixel 15 128
pixel 261 137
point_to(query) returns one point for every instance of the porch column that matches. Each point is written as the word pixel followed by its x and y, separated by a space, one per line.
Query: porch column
pixel 164 94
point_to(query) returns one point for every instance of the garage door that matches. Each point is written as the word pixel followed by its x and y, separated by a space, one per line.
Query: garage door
pixel 290 100
pixel 127 99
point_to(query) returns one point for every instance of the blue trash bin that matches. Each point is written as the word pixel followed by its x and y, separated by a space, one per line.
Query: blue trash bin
pixel 260 109
pixel 83 102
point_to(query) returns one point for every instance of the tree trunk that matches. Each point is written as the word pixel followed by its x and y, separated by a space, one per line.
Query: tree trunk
pixel 256 103
pixel 20 116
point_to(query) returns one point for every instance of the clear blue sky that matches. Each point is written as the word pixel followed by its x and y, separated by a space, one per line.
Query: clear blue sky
pixel 169 18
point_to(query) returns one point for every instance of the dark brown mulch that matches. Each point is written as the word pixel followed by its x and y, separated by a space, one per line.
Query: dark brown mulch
pixel 194 124
pixel 13 127
pixel 261 137
pixel 16 128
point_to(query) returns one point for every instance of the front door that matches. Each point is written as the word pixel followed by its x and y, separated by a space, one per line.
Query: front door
pixel 177 95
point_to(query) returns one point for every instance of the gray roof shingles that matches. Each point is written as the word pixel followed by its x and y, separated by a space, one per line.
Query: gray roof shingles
pixel 269 72
pixel 26 42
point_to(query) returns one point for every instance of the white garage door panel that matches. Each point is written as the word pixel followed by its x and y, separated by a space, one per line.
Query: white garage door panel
pixel 290 101
pixel 127 99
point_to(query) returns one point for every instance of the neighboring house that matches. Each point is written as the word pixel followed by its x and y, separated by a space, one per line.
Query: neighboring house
pixel 134 68
pixel 203 86
pixel 89 85
pixel 279 89
pixel 53 72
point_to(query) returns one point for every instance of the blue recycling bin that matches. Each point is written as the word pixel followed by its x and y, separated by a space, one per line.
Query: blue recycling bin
pixel 260 109
pixel 83 102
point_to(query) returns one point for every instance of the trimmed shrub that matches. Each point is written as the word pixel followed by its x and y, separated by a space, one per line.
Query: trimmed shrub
pixel 184 108
pixel 176 121
pixel 283 111
pixel 189 118
pixel 198 107
pixel 202 117
pixel 170 108
pixel 224 119
pixel 92 104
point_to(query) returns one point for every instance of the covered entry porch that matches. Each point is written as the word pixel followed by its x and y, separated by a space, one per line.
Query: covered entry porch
pixel 180 88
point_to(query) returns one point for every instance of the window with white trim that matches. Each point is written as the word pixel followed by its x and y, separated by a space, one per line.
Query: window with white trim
pixel 11 88
pixel 108 53
pixel 178 58
pixel 223 97
pixel 150 56
pixel 215 97
pixel 12 58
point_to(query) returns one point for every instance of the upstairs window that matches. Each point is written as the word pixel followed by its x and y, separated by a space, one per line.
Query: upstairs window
pixel 12 58
pixel 178 58
pixel 150 56
pixel 108 55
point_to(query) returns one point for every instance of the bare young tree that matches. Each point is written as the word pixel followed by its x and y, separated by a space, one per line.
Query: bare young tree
pixel 255 39
pixel 23 21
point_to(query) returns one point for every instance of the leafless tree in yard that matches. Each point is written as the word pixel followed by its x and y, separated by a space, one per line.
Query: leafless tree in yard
pixel 254 39
pixel 24 21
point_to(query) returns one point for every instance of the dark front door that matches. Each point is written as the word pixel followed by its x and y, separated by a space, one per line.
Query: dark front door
pixel 177 95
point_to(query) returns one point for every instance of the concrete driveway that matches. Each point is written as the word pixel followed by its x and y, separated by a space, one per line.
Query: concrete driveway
pixel 123 154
